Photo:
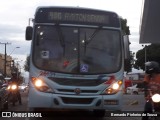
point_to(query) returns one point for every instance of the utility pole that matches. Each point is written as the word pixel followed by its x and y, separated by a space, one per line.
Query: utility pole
pixel 18 68
pixel 145 55
pixel 5 58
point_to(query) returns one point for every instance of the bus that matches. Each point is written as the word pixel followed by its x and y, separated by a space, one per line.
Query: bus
pixel 77 59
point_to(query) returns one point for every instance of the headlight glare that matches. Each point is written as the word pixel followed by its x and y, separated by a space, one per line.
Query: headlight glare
pixel 113 88
pixel 40 85
pixel 156 98
pixel 13 87
pixel 9 87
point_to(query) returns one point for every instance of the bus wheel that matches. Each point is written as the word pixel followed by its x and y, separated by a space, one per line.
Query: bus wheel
pixel 99 113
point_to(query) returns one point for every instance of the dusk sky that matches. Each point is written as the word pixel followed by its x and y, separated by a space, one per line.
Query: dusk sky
pixel 14 15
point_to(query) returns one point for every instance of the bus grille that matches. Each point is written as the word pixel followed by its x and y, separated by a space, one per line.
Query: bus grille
pixel 77 100
pixel 77 82
pixel 73 91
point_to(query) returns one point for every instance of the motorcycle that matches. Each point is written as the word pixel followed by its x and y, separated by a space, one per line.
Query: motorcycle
pixel 152 106
pixel 12 93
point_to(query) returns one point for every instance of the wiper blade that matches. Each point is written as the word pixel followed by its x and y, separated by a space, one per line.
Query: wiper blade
pixel 87 41
pixel 93 35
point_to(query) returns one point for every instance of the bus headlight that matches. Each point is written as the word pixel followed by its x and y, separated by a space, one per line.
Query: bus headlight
pixel 38 83
pixel 41 86
pixel 113 88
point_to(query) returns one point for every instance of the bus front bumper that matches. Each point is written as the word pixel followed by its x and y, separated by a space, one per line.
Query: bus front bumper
pixel 59 101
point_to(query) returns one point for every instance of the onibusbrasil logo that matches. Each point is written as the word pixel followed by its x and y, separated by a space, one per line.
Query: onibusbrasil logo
pixel 21 114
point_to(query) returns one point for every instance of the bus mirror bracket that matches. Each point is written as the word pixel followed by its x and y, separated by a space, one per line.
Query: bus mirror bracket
pixel 29 31
pixel 126 47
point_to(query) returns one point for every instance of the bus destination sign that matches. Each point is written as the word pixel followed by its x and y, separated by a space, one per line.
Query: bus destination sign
pixel 77 16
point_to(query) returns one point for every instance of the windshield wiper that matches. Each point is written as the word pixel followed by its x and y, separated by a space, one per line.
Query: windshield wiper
pixel 61 37
pixel 93 35
pixel 87 41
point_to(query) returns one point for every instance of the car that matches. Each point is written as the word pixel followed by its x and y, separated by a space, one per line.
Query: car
pixel 133 89
pixel 3 96
pixel 22 87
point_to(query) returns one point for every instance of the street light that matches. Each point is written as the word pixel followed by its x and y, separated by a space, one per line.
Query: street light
pixel 13 50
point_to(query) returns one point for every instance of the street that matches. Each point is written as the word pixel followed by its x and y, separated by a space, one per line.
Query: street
pixel 131 103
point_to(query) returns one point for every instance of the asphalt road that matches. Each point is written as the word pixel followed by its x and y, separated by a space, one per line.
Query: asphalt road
pixel 131 103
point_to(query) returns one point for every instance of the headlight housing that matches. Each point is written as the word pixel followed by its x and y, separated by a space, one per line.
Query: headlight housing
pixel 113 88
pixel 40 85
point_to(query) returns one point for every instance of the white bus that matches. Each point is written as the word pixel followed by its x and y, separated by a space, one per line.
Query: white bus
pixel 76 60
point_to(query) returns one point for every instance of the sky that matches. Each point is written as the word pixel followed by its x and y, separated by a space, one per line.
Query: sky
pixel 14 16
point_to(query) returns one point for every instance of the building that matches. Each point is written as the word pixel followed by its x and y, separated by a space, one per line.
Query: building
pixel 8 64
pixel 150 22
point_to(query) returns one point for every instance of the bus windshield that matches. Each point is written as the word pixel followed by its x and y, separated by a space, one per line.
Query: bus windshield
pixel 76 49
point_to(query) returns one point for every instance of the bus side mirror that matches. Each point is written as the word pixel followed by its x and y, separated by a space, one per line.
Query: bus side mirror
pixel 126 47
pixel 29 31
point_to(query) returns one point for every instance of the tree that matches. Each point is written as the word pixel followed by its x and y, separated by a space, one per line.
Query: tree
pixel 128 64
pixel 27 63
pixel 152 54
pixel 125 30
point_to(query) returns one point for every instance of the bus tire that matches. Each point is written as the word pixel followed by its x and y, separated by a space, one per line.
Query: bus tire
pixel 99 113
